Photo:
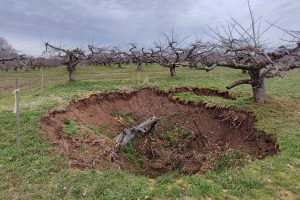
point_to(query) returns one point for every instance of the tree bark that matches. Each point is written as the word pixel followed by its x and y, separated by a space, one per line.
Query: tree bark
pixel 258 86
pixel 71 70
pixel 173 70
pixel 119 65
pixel 139 67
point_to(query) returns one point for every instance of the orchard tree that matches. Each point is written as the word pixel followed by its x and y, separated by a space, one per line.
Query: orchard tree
pixel 7 52
pixel 118 57
pixel 70 58
pixel 240 47
pixel 171 53
pixel 135 55
pixel 9 57
pixel 101 56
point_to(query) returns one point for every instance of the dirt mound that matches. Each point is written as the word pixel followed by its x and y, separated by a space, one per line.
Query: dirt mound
pixel 188 137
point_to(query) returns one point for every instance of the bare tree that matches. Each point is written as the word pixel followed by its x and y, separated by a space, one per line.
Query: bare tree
pixel 70 58
pixel 171 53
pixel 135 55
pixel 9 57
pixel 7 52
pixel 101 56
pixel 240 47
pixel 110 56
pixel 118 57
pixel 11 60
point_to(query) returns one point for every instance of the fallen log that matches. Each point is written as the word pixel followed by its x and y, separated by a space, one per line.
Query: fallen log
pixel 127 134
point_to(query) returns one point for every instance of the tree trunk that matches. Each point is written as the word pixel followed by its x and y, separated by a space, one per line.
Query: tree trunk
pixel 139 67
pixel 71 76
pixel 258 86
pixel 173 70
pixel 119 65
pixel 259 91
pixel 71 70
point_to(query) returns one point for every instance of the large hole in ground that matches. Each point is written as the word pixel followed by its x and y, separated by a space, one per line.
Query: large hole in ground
pixel 189 138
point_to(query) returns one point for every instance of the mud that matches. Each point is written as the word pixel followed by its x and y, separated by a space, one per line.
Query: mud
pixel 189 137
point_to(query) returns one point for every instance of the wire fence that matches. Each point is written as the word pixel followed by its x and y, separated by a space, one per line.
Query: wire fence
pixel 40 80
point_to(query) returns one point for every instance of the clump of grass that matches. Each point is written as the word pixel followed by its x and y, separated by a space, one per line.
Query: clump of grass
pixel 77 192
pixel 128 149
pixel 70 128
pixel 127 117
pixel 141 161
pixel 167 137
pixel 82 149
pixel 170 138
pixel 230 160
pixel 67 122
pixel 98 133
pixel 181 132
pixel 73 128
pixel 175 133
pixel 130 152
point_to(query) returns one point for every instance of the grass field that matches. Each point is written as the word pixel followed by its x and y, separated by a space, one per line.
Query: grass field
pixel 40 172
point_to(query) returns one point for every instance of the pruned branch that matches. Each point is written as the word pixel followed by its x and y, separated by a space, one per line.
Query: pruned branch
pixel 237 83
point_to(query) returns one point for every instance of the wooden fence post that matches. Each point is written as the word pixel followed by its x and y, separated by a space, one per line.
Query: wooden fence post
pixel 42 83
pixel 17 107
pixel 138 77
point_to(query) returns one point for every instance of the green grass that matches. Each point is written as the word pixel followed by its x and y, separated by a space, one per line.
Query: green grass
pixel 234 159
pixel 128 149
pixel 127 117
pixel 98 133
pixel 183 133
pixel 74 129
pixel 39 171
pixel 70 128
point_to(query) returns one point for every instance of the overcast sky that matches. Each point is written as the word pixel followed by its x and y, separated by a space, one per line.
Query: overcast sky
pixel 26 24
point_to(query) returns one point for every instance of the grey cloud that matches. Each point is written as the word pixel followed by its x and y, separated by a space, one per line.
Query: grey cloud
pixel 117 22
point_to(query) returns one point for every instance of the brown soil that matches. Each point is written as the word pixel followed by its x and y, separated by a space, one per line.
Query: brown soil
pixel 177 143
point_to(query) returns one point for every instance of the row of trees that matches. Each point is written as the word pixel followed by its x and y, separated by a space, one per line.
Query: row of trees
pixel 231 46
pixel 238 48
pixel 10 59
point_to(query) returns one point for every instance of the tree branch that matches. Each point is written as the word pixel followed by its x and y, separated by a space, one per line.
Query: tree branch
pixel 237 83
